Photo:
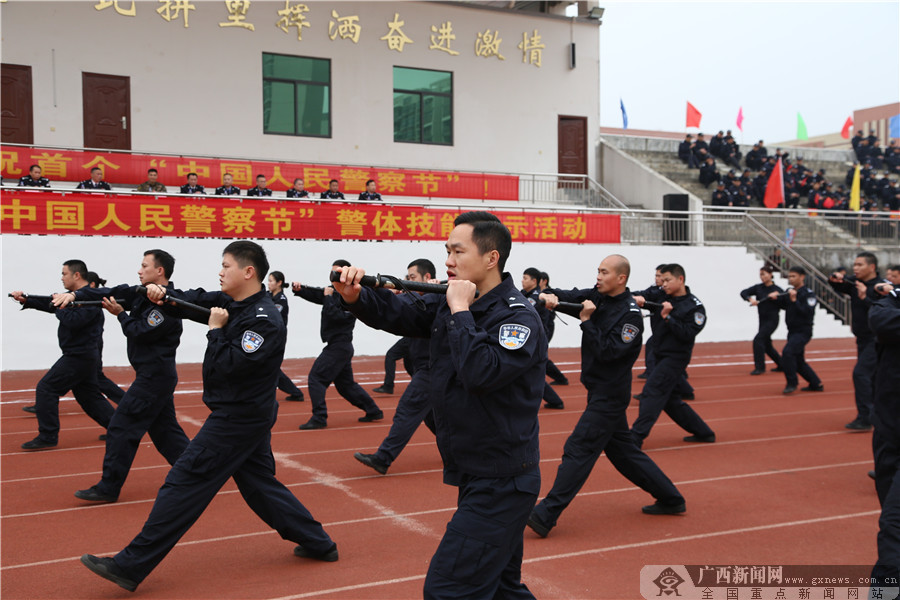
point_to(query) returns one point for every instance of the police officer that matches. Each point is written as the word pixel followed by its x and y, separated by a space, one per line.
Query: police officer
pixel 227 189
pixel 556 376
pixel 861 289
pixel 414 405
pixel 297 190
pixel 334 364
pixel 243 355
pixel 260 189
pixel 370 193
pixel 487 377
pixel 78 332
pixel 683 317
pixel 276 285
pixel 95 182
pixel 34 179
pixel 192 187
pixel 531 291
pixel 332 192
pixel 148 405
pixel 799 307
pixel 758 296
pixel 611 325
pixel 108 387
pixel 399 351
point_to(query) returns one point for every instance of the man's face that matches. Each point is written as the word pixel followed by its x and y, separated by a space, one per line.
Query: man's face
pixel 96 175
pixel 464 261
pixel 412 274
pixel 862 269
pixel 370 187
pixel 232 275
pixel 333 186
pixel 149 272
pixel 151 176
pixel 298 185
pixel 226 181
pixel 672 285
pixel 35 172
pixel 796 279
pixel 261 182
pixel 608 278
pixel 657 278
pixel 528 282
pixel 192 180
pixel 69 280
pixel 893 276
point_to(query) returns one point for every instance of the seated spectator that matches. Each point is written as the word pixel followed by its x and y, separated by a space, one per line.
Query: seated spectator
pixel 855 141
pixel 731 154
pixel 873 137
pixel 297 190
pixel 152 184
pixel 820 176
pixel 892 157
pixel 791 191
pixel 890 195
pixel 95 182
pixel 740 198
pixel 754 159
pixel 332 192
pixel 876 155
pixel 720 197
pixel 763 151
pixel 716 145
pixel 862 150
pixel 709 172
pixel 701 147
pixel 799 168
pixel 260 189
pixel 815 197
pixel 34 179
pixel 370 193
pixel 227 188
pixel 686 152
pixel 192 187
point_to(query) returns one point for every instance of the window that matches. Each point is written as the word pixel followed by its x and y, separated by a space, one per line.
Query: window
pixel 296 95
pixel 423 106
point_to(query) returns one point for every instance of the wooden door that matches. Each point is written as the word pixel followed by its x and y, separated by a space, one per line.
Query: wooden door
pixel 572 145
pixel 107 111
pixel 16 107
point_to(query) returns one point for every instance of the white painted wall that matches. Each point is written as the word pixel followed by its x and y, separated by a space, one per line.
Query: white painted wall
pixel 33 264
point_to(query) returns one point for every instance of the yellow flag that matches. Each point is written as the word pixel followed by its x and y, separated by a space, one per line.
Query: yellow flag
pixel 854 190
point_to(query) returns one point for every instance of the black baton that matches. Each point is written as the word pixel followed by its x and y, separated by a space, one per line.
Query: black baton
pixel 390 283
pixel 781 295
pixel 573 309
pixel 142 291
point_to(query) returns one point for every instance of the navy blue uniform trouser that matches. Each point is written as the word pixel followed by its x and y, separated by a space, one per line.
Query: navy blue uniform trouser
pixel 603 426
pixel 762 345
pixel 863 377
pixel 224 447
pixel 398 351
pixel 147 407
pixel 554 373
pixel 412 408
pixel 682 387
pixel 76 373
pixel 793 360
pixel 660 394
pixel 550 396
pixel 334 366
pixel 286 385
pixel 886 449
pixel 108 387
pixel 480 555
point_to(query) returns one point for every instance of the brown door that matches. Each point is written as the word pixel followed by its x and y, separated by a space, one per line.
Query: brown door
pixel 16 114
pixel 572 145
pixel 107 111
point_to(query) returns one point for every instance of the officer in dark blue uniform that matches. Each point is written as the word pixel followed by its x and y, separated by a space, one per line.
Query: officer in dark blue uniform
pixel 884 321
pixel 370 193
pixel 557 377
pixel 414 405
pixel 530 289
pixel 276 285
pixel 78 333
pixel 108 387
pixel 332 192
pixel 487 377
pixel 34 179
pixel 683 317
pixel 148 405
pixel 861 289
pixel 245 348
pixel 758 296
pixel 260 189
pixel 95 182
pixel 398 351
pixel 335 363
pixel 192 187
pixel 297 190
pixel 611 325
pixel 799 311
pixel 227 189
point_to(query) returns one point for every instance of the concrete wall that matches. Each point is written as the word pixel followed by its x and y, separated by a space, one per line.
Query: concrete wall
pixel 634 183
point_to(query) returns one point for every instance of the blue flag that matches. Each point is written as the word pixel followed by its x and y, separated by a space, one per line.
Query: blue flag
pixel 625 116
pixel 895 126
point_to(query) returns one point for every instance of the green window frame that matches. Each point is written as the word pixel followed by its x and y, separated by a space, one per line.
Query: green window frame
pixel 423 106
pixel 296 95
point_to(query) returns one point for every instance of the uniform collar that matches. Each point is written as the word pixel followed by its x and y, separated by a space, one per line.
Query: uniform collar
pixel 250 300
pixel 505 290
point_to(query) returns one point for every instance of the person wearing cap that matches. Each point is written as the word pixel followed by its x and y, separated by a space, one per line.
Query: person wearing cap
pixel 757 295
pixel 754 158
pixel 720 197
pixel 686 152
pixel 701 145
pixel 716 144
pixel 709 172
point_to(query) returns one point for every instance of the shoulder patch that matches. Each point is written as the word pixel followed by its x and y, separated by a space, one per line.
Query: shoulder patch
pixel 155 318
pixel 513 336
pixel 811 300
pixel 251 342
pixel 699 318
pixel 279 307
pixel 532 300
pixel 629 333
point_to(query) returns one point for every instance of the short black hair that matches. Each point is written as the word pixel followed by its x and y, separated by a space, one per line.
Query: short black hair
pixel 260 175
pixel 93 278
pixel 298 179
pixel 250 253
pixel 660 267
pixel 77 266
pixel 424 266
pixel 674 269
pixel 533 273
pixel 545 276
pixel 370 181
pixel 278 276
pixel 798 270
pixel 870 258
pixel 488 233
pixel 341 263
pixel 162 259
pixel 332 181
pixel 96 169
pixel 192 173
pixel 152 170
pixel 33 166
pixel 894 268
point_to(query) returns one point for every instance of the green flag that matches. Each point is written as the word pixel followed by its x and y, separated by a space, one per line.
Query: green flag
pixel 801 128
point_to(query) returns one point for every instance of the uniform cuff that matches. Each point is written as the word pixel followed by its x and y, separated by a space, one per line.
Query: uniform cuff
pixel 460 320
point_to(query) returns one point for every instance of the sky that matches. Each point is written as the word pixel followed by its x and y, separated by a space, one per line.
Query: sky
pixel 774 59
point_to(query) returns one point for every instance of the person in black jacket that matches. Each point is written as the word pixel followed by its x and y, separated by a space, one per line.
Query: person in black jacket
pixel 260 189
pixel 297 190
pixel 276 285
pixel 333 192
pixel 243 356
pixel 799 307
pixel 758 296
pixel 611 325
pixel 79 330
pixel 531 291
pixel 370 193
pixel 335 363
pixel 556 376
pixel 709 172
pixel 95 182
pixel 192 187
pixel 34 179
pixel 227 189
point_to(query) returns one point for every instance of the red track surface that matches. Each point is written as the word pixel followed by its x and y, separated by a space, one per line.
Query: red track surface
pixel 785 484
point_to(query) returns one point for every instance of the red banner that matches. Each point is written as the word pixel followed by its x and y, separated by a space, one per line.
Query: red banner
pixel 122 168
pixel 36 212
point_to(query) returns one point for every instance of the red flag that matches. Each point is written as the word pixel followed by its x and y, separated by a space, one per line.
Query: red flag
pixel 693 116
pixel 845 132
pixel 775 188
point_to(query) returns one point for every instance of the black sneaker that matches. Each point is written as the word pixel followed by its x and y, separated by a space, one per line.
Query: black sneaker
pixel 383 389
pixel 658 508
pixel 30 408
pixel 370 460
pixel 813 388
pixel 38 444
pixel 688 396
pixel 758 372
pixel 559 406
pixel 637 396
pixel 102 437
pixel 107 568
pixel 701 439
pixel 858 425
pixel 872 474
pixel 295 397
pixel 537 525
pixel 642 375
pixel 92 494
pixel 560 382
pixel 778 370
pixel 312 424
pixel 330 555
pixel 789 389
pixel 368 418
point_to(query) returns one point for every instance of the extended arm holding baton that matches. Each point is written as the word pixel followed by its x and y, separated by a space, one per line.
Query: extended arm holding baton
pixel 77 302
pixel 394 283
pixel 167 299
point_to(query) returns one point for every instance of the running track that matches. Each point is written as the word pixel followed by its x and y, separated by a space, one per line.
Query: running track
pixel 785 484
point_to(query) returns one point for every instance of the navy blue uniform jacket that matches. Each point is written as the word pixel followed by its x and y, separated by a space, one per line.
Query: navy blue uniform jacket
pixel 860 308
pixel 337 324
pixel 80 330
pixel 768 310
pixel 799 315
pixel 884 320
pixel 678 331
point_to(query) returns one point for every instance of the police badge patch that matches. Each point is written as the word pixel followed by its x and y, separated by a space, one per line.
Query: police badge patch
pixel 279 307
pixel 513 337
pixel 251 341
pixel 629 333
pixel 155 318
pixel 811 300
pixel 532 300
pixel 699 318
